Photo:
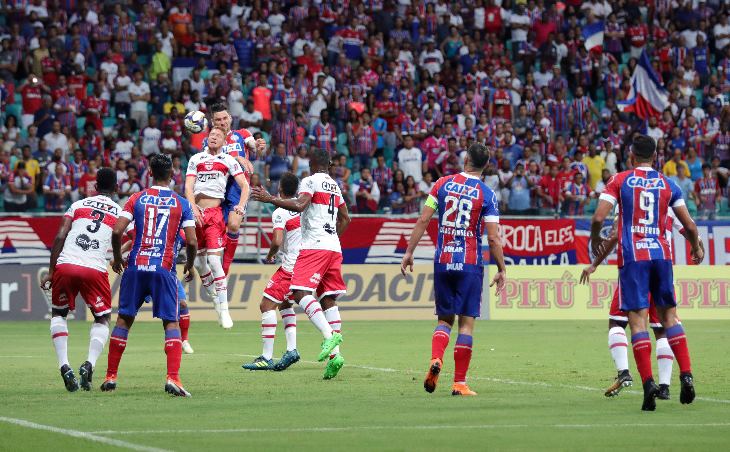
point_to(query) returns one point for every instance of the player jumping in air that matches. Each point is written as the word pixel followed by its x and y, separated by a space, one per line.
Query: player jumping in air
pixel 205 188
pixel 644 197
pixel 287 239
pixel 78 265
pixel 318 269
pixel 617 321
pixel 158 214
pixel 237 144
pixel 463 202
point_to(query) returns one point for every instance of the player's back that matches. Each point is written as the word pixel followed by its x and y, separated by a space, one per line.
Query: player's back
pixel 290 223
pixel 462 202
pixel 89 238
pixel 319 220
pixel 158 214
pixel 644 196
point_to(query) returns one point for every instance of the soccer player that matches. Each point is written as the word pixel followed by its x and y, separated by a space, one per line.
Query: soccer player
pixel 618 320
pixel 644 196
pixel 237 144
pixel 318 269
pixel 205 188
pixel 464 202
pixel 158 214
pixel 287 239
pixel 78 265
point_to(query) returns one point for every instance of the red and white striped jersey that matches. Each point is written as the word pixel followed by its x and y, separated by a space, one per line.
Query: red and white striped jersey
pixel 319 220
pixel 290 223
pixel 211 173
pixel 90 236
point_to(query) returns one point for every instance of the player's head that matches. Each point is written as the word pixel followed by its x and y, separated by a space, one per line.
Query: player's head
pixel 220 116
pixel 106 181
pixel 319 160
pixel 477 157
pixel 643 150
pixel 161 167
pixel 288 185
pixel 216 138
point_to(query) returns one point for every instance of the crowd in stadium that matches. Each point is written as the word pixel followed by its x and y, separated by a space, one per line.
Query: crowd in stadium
pixel 396 90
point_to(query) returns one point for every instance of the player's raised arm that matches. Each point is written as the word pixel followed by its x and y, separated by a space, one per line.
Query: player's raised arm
pixel 58 242
pixel 245 192
pixel 418 230
pixel 298 204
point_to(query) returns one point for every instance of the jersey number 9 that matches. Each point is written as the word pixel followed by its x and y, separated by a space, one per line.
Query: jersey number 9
pixel 646 203
pixel 462 207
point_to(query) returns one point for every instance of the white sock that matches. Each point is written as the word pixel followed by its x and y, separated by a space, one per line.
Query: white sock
pixel 201 265
pixel 59 335
pixel 333 318
pixel 290 328
pixel 664 359
pixel 268 332
pixel 314 311
pixel 618 346
pixel 221 284
pixel 98 334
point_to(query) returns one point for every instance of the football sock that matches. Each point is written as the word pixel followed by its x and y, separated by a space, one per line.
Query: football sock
pixel 219 277
pixel 618 346
pixel 59 335
pixel 230 250
pixel 268 332
pixel 98 334
pixel 290 328
pixel 201 265
pixel 117 344
pixel 314 311
pixel 678 341
pixel 462 357
pixel 664 359
pixel 173 350
pixel 439 341
pixel 642 354
pixel 184 325
pixel 333 318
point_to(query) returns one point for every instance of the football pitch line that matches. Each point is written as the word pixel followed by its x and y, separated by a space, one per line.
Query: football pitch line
pixel 80 434
pixel 497 380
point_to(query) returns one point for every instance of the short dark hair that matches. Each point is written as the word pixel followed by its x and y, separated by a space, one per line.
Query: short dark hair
pixel 218 107
pixel 289 184
pixel 161 166
pixel 321 156
pixel 643 147
pixel 106 180
pixel 478 155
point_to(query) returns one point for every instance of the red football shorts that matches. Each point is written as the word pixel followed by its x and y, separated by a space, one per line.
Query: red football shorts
pixel 319 271
pixel 210 234
pixel 621 316
pixel 277 290
pixel 69 280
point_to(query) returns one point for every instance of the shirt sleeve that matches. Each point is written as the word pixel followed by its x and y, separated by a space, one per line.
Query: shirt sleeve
pixel 187 219
pixel 307 187
pixel 192 167
pixel 491 207
pixel 432 200
pixel 71 211
pixel 611 193
pixel 676 200
pixel 128 211
pixel 278 220
pixel 234 166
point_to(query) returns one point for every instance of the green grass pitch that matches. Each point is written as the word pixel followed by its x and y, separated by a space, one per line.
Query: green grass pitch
pixel 540 388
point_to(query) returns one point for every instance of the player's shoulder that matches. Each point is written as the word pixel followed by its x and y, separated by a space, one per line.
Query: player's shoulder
pixel 181 201
pixel 441 181
pixel 242 133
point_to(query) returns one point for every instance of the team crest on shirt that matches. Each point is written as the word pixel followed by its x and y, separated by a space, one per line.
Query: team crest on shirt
pixel 208 165
pixel 640 182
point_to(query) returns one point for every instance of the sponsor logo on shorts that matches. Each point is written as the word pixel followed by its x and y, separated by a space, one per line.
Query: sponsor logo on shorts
pixel 147 268
pixel 63 298
pixel 99 302
pixel 316 278
pixel 84 242
pixel 455 267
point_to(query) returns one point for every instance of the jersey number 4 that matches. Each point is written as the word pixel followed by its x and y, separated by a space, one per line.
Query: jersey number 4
pixel 462 207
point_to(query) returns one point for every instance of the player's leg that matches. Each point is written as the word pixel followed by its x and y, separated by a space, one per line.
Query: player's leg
pixel 268 309
pixel 185 327
pixel 63 298
pixel 214 231
pixel 462 356
pixel 233 228
pixel 467 305
pixel 97 294
pixel 663 293
pixel 442 333
pixel 205 273
pixel 332 314
pixel 165 307
pixel 618 347
pixel 664 355
pixel 289 318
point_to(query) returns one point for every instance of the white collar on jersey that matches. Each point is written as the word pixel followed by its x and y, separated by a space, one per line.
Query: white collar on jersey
pixel 645 168
pixel 465 174
pixel 160 187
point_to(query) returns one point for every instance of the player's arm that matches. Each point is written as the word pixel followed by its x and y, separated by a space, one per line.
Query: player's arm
pixel 190 196
pixel 599 216
pixel 299 204
pixel 56 250
pixel 245 192
pixel 690 232
pixel 119 227
pixel 495 249
pixel 343 219
pixel 277 238
pixel 191 248
pixel 418 230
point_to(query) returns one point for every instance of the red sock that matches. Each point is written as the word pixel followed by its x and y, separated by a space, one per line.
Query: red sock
pixel 230 251
pixel 117 345
pixel 462 357
pixel 439 341
pixel 678 341
pixel 173 350
pixel 642 354
pixel 184 326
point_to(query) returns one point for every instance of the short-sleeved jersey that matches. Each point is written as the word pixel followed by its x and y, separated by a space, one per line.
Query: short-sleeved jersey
pixel 158 214
pixel 90 236
pixel 211 173
pixel 644 197
pixel 462 202
pixel 290 223
pixel 319 220
pixel 238 142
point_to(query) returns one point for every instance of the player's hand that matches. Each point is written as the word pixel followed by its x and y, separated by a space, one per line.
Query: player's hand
pixel 247 166
pixel 188 272
pixel 698 255
pixel 585 276
pixel 500 279
pixel 260 147
pixel 260 194
pixel 406 263
pixel 118 266
pixel 46 282
pixel 270 260
pixel 597 245
pixel 198 214
pixel 240 210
